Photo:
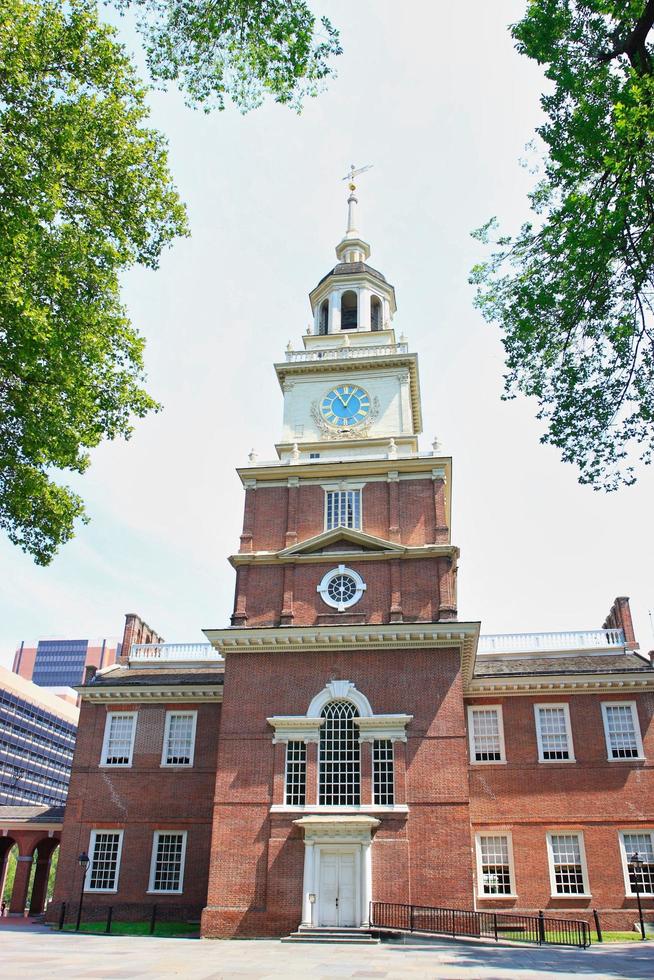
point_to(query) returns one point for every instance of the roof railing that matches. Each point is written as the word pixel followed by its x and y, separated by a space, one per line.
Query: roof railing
pixel 551 642
pixel 346 352
pixel 158 653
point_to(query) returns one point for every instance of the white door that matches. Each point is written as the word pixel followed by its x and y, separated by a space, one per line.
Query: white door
pixel 337 889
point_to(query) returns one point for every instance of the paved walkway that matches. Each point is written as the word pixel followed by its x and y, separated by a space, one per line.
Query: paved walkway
pixel 37 955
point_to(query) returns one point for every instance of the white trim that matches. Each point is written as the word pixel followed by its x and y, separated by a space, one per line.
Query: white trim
pixel 564 832
pixel 119 854
pixel 490 832
pixel 178 765
pixel 288 742
pixel 500 726
pixel 105 741
pixel 340 691
pixel 153 863
pixel 319 809
pixel 625 863
pixel 327 578
pixel 634 715
pixel 568 730
pixel 344 487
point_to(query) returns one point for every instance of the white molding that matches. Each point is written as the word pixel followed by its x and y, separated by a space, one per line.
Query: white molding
pixel 153 862
pixel 105 740
pixel 513 686
pixel 565 832
pixel 386 727
pixel 340 690
pixel 500 726
pixel 164 753
pixel 114 695
pixel 296 728
pixel 636 722
pixel 318 809
pixel 491 832
pixel 624 857
pixel 92 838
pixel 568 728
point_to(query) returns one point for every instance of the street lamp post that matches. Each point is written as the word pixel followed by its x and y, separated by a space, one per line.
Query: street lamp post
pixel 84 862
pixel 637 863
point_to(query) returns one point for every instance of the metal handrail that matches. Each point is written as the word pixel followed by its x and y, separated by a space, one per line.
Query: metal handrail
pixel 540 929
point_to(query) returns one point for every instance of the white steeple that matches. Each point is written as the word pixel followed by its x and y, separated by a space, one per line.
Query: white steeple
pixel 352 248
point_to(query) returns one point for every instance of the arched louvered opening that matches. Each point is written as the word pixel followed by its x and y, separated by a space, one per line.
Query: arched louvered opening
pixel 375 313
pixel 340 766
pixel 323 318
pixel 349 310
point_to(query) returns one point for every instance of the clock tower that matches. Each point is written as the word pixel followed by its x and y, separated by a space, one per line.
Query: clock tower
pixel 342 751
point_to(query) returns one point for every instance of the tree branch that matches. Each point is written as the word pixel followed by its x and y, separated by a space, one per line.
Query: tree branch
pixel 634 45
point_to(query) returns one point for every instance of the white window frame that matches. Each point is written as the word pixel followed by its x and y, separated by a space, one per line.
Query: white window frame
pixel 564 832
pixel 568 729
pixel 178 765
pixel 492 832
pixel 105 741
pixel 471 739
pixel 358 488
pixel 293 741
pixel 91 852
pixel 634 715
pixel 322 589
pixel 624 858
pixel 153 863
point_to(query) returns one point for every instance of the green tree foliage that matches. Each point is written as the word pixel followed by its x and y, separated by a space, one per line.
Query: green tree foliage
pixel 85 193
pixel 242 49
pixel 573 290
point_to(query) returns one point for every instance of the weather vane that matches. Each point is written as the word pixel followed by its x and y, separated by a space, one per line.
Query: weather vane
pixel 355 173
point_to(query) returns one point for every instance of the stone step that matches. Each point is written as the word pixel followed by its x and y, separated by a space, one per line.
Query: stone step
pixel 306 934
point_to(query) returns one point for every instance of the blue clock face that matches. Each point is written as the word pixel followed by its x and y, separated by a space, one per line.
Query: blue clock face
pixel 345 405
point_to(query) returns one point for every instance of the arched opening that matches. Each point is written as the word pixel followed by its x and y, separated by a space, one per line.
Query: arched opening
pixel 349 310
pixel 340 763
pixel 27 881
pixel 375 313
pixel 323 318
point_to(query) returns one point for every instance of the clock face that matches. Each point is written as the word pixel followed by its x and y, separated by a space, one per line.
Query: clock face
pixel 345 405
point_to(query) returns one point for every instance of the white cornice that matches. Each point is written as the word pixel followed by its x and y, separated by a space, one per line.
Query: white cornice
pixel 508 685
pixel 276 558
pixel 296 727
pixel 391 727
pixel 151 693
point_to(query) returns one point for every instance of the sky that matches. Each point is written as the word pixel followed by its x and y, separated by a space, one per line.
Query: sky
pixel 436 98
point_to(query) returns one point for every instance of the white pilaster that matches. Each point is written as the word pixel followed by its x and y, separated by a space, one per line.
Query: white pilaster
pixel 335 312
pixel 364 308
pixel 366 898
pixel 308 884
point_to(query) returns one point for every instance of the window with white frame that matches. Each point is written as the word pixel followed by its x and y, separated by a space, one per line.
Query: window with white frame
pixel 494 864
pixel 622 730
pixel 118 744
pixel 340 769
pixel 105 847
pixel 179 738
pixel 296 773
pixel 639 842
pixel 553 733
pixel 342 509
pixel 167 864
pixel 486 733
pixel 382 772
pixel 567 864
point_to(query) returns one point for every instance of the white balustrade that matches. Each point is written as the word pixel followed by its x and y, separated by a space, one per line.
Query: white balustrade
pixel 173 653
pixel 344 353
pixel 537 642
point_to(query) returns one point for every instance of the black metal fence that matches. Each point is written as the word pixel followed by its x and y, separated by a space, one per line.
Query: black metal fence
pixel 540 929
pixel 105 918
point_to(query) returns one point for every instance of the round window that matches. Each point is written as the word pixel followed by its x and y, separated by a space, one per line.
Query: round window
pixel 341 587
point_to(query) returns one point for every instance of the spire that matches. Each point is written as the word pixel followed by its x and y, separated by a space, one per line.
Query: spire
pixel 352 248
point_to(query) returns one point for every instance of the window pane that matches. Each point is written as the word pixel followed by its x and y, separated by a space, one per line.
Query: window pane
pixel 296 773
pixel 553 733
pixel 487 746
pixel 623 743
pixel 382 767
pixel 179 748
pixel 168 862
pixel 495 868
pixel 104 861
pixel 119 741
pixel 343 509
pixel 340 776
pixel 643 876
pixel 568 871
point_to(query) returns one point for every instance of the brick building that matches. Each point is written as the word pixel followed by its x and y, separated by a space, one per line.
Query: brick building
pixel 347 738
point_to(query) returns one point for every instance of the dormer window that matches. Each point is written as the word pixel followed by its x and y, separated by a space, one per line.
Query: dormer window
pixel 349 310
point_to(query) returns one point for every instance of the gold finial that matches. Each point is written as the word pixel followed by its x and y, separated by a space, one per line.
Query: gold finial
pixel 354 172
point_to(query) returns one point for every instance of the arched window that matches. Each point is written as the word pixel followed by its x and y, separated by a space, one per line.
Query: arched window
pixel 375 313
pixel 340 769
pixel 323 321
pixel 349 310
